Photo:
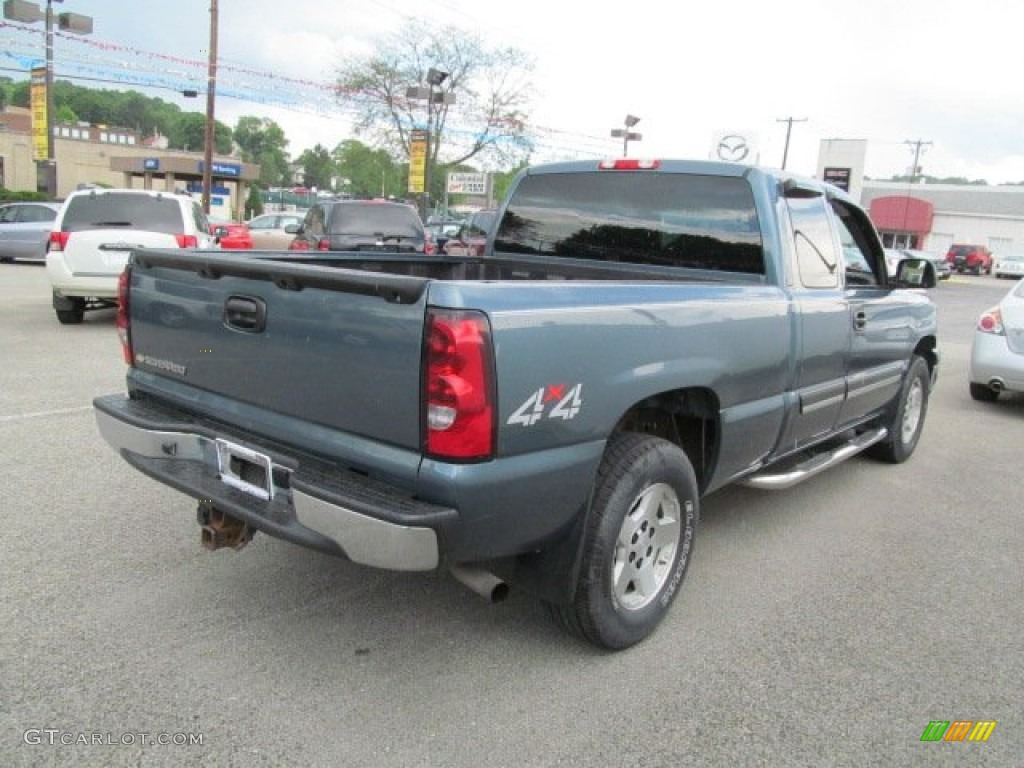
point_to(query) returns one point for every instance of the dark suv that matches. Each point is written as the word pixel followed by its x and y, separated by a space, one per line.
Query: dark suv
pixel 362 225
pixel 970 258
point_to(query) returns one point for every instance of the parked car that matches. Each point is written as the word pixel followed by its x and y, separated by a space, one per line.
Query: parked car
pixel 231 235
pixel 472 236
pixel 443 231
pixel 970 258
pixel 96 230
pixel 1009 266
pixel 25 229
pixel 943 270
pixel 274 231
pixel 997 351
pixel 362 225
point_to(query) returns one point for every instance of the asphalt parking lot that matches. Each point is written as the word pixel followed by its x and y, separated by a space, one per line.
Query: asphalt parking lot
pixel 825 625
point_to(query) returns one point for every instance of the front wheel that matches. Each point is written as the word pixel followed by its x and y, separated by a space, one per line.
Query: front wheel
pixel 643 518
pixel 908 419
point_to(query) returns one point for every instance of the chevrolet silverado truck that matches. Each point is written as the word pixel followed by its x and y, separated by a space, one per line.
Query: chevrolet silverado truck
pixel 546 416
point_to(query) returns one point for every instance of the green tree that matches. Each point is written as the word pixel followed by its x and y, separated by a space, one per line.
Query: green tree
pixel 253 202
pixel 189 132
pixel 369 172
pixel 490 88
pixel 261 140
pixel 318 169
pixel 66 114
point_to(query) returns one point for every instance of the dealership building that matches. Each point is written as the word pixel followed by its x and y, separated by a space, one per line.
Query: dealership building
pixel 115 157
pixel 930 217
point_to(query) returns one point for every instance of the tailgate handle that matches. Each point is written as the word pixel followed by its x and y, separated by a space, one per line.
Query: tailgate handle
pixel 245 313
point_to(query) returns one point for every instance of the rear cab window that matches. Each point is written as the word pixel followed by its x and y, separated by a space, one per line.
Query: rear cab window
pixel 114 210
pixel 660 219
pixel 373 218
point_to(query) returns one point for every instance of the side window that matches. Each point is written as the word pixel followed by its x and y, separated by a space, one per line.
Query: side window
pixel 816 256
pixel 36 213
pixel 9 214
pixel 856 236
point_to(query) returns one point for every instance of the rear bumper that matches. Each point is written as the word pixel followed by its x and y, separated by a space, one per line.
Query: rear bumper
pixel 992 360
pixel 68 283
pixel 311 502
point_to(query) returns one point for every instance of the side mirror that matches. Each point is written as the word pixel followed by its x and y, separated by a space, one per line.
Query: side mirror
pixel 292 229
pixel 915 273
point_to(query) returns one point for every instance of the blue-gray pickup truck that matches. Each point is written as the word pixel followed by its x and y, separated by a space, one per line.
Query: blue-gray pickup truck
pixel 636 335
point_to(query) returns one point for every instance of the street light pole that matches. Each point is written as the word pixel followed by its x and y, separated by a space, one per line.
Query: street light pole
pixel 627 135
pixel 51 161
pixel 435 78
pixel 29 13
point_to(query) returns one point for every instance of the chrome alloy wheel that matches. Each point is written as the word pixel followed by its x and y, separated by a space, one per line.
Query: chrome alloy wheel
pixel 912 410
pixel 646 546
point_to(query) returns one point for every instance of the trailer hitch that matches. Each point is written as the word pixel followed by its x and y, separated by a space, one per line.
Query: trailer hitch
pixel 219 529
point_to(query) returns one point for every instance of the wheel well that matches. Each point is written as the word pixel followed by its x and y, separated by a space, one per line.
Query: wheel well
pixel 686 417
pixel 926 349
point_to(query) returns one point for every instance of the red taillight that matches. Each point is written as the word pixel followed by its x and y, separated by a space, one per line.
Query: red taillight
pixel 298 245
pixel 58 240
pixel 991 322
pixel 628 164
pixel 323 244
pixel 123 322
pixel 459 385
pixel 187 241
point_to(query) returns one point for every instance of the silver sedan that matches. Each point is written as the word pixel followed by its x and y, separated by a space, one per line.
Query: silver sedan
pixel 25 229
pixel 997 352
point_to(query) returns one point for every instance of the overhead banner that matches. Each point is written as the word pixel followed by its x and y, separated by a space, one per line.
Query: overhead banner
pixel 37 102
pixel 417 161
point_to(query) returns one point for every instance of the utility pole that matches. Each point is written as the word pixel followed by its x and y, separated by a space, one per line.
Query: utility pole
pixel 917 154
pixel 789 128
pixel 211 88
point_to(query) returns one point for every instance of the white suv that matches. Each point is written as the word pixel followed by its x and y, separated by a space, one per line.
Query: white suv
pixel 97 229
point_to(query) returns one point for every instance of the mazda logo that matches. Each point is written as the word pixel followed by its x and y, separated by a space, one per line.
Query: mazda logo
pixel 732 148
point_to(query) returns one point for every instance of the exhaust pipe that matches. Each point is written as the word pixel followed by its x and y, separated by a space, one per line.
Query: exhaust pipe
pixel 996 385
pixel 218 529
pixel 484 583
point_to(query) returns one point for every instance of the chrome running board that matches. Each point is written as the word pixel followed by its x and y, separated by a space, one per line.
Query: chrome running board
pixel 775 481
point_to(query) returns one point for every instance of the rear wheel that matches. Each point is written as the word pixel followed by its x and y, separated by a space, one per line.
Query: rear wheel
pixel 643 518
pixel 908 419
pixel 983 393
pixel 72 315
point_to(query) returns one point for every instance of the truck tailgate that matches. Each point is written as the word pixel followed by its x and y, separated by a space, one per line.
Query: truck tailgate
pixel 334 346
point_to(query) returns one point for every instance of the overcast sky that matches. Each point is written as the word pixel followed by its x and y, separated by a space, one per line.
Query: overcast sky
pixel 941 71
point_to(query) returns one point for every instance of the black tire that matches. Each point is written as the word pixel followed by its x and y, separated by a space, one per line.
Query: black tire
pixel 643 517
pixel 983 393
pixel 908 417
pixel 72 316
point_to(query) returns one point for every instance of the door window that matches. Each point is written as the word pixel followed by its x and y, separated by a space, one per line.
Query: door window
pixel 817 259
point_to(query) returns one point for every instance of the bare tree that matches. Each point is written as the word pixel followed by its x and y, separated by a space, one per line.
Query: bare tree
pixel 491 87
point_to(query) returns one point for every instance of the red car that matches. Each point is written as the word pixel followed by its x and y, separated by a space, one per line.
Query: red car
pixel 970 258
pixel 231 236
